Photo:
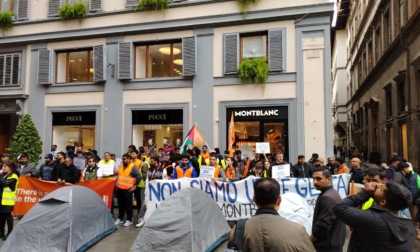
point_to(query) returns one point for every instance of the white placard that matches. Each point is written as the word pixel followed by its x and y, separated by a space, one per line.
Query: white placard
pixel 118 162
pixel 207 171
pixel 262 147
pixel 107 169
pixel 79 163
pixel 280 171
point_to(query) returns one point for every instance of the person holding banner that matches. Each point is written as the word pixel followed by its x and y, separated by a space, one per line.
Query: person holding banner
pixel 8 185
pixel 184 169
pixel 267 231
pixel 219 174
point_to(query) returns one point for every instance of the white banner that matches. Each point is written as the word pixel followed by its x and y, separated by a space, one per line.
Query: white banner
pixel 235 199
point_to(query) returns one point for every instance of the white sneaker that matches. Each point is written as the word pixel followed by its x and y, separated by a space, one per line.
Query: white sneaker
pixel 119 221
pixel 140 224
pixel 127 223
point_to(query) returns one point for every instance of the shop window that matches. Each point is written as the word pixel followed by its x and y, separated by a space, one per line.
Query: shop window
pixel 161 60
pixel 10 69
pixel 74 129
pixel 19 7
pixel 269 44
pixel 156 129
pixel 253 45
pixel 404 141
pixel 74 66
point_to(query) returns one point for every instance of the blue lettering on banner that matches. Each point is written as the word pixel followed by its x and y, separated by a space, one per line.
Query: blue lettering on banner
pixel 194 182
pixel 283 185
pixel 247 191
pixel 220 188
pixel 341 185
pixel 302 191
pixel 208 190
pixel 154 192
pixel 162 189
pixel 174 189
pixel 232 200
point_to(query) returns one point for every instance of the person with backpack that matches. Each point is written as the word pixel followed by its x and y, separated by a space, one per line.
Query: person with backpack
pixel 266 230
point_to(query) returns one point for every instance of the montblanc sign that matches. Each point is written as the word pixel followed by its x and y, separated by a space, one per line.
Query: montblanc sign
pixel 272 112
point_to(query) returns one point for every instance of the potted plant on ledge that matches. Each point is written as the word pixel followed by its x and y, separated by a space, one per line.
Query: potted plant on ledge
pixel 6 20
pixel 151 5
pixel 74 11
pixel 253 71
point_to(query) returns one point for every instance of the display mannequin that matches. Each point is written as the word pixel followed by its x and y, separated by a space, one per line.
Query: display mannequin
pixel 151 148
pixel 178 142
pixel 166 145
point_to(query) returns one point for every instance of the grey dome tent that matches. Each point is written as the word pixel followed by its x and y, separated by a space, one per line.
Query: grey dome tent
pixel 71 218
pixel 188 220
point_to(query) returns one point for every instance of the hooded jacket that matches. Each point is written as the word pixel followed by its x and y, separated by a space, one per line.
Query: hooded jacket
pixel 376 229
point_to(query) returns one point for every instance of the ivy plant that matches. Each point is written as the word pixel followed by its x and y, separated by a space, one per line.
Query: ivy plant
pixel 253 71
pixel 151 5
pixel 78 10
pixel 6 20
pixel 244 6
pixel 26 140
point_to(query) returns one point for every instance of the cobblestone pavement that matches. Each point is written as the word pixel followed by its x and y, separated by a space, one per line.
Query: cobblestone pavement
pixel 122 239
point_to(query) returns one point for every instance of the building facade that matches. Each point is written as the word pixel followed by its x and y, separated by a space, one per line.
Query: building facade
pixel 121 76
pixel 384 78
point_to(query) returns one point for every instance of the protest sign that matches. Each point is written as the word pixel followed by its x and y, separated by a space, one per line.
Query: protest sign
pixel 280 171
pixel 207 171
pixel 107 169
pixel 262 148
pixel 235 199
pixel 31 190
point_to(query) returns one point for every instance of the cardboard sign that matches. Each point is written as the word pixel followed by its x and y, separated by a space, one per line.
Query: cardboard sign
pixel 107 169
pixel 262 147
pixel 281 171
pixel 207 171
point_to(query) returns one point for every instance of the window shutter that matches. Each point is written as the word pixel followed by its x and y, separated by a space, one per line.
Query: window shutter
pixel 22 10
pixel 95 5
pixel 230 54
pixel 131 3
pixel 99 63
pixel 8 74
pixel 125 52
pixel 275 51
pixel 189 56
pixel 2 65
pixel 44 66
pixel 53 6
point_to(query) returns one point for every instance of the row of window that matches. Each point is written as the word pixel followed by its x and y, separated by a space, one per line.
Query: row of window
pixel 139 60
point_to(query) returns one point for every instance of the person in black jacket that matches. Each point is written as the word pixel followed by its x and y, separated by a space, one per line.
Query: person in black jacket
pixel 328 232
pixel 301 169
pixel 67 172
pixel 379 228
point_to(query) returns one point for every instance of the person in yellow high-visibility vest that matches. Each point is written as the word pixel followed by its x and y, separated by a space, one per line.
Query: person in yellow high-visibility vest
pixel 8 184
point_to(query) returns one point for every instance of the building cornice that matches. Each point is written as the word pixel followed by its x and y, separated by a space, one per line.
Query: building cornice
pixel 290 13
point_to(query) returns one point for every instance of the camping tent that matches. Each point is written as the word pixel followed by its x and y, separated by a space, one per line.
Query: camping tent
pixel 189 220
pixel 71 218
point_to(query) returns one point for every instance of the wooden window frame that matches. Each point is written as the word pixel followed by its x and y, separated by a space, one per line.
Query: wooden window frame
pixel 67 52
pixel 10 5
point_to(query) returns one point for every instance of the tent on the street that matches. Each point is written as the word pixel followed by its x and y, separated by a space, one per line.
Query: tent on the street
pixel 188 220
pixel 71 218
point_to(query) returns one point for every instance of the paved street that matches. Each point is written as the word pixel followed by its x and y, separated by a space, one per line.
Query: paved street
pixel 123 238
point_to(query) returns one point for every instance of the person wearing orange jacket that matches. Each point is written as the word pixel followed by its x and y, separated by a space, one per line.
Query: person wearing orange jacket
pixel 184 169
pixel 232 170
pixel 127 179
pixel 219 173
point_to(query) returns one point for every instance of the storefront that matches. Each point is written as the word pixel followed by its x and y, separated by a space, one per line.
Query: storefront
pixel 157 128
pixel 74 129
pixel 259 124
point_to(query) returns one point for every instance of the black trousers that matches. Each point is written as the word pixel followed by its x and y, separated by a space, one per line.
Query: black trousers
pixel 6 217
pixel 137 196
pixel 125 204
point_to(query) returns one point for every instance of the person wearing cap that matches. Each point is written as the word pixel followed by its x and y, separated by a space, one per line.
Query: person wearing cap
pixel 25 167
pixel 47 170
